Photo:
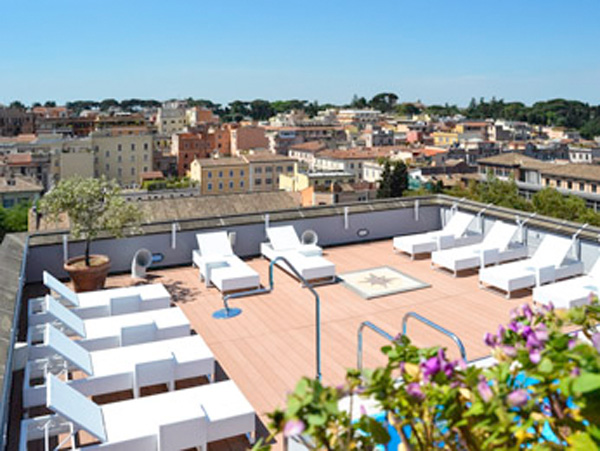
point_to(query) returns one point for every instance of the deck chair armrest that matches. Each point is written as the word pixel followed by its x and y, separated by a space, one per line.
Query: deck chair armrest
pixel 445 241
pixel 545 274
pixel 489 256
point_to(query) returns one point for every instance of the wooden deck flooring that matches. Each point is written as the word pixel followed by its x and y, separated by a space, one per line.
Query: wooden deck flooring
pixel 271 344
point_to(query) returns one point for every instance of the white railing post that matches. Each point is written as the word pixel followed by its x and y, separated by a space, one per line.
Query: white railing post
pixel 346 218
pixel 65 247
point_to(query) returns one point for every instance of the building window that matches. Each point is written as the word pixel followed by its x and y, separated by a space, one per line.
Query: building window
pixel 145 157
pixel 132 158
pixel 594 188
pixel 230 173
pixel 220 186
pixel 107 167
pixel 145 146
pixel 120 172
pixel 220 174
pixel 209 174
pixel 290 168
pixel 119 147
pixel 279 169
pixel 268 169
pixel 582 187
pixel 132 171
pixel 258 182
pixel 268 181
pixel 547 181
pixel 132 146
pixel 145 168
pixel 209 186
pixel 241 183
pixel 230 185
pixel 119 159
pixel 258 170
pixel 570 185
pixel 107 154
pixel 241 172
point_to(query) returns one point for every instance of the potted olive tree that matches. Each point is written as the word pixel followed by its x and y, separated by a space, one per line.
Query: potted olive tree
pixel 93 205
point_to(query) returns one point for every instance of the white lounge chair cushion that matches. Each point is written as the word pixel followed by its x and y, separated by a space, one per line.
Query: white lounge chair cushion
pixel 283 238
pixel 214 244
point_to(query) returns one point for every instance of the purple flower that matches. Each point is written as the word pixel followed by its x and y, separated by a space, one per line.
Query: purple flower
pixel 575 372
pixel 591 297
pixel 527 331
pixel 596 341
pixel 501 332
pixel 363 410
pixel 484 389
pixel 533 342
pixel 572 343
pixel 514 314
pixel 293 428
pixel 535 356
pixel 514 326
pixel 489 340
pixel 414 390
pixel 431 366
pixel 510 351
pixel 527 312
pixel 541 333
pixel 517 398
pixel 460 363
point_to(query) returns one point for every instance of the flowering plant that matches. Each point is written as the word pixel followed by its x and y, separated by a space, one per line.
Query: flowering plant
pixel 542 392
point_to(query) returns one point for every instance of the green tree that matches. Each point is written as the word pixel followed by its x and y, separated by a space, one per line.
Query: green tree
pixel 384 101
pixel 591 128
pixel 261 110
pixel 358 102
pixel 17 104
pixel 50 104
pixel 394 180
pixel 504 194
pixel 14 219
pixel 92 206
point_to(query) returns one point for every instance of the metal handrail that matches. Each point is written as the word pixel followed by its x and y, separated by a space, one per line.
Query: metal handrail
pixel 452 335
pixel 8 371
pixel 359 350
pixel 268 289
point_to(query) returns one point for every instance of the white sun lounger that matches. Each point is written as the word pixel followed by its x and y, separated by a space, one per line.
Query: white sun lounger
pixel 453 234
pixel 496 247
pixel 284 238
pixel 572 292
pixel 118 369
pixel 176 420
pixel 548 263
pixel 305 258
pixel 218 264
pixel 111 331
pixel 96 304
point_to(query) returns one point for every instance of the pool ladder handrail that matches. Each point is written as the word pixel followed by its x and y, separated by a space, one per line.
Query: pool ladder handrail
pixel 268 289
pixel 378 330
pixel 437 327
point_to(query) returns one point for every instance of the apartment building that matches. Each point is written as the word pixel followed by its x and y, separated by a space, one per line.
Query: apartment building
pixel 196 116
pixel 16 190
pixel 220 175
pixel 266 169
pixel 14 121
pixel 351 160
pixel 358 117
pixel 122 157
pixel 302 180
pixel 170 120
pixel 188 146
pixel 579 154
pixel 306 152
pixel 246 138
pixel 282 138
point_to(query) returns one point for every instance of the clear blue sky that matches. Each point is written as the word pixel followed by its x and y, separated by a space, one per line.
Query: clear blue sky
pixel 437 51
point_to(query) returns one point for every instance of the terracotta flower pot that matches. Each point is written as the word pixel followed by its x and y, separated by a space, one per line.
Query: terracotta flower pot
pixel 88 278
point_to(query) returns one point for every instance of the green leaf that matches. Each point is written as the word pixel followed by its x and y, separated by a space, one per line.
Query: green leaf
pixel 546 366
pixel 581 441
pixel 587 382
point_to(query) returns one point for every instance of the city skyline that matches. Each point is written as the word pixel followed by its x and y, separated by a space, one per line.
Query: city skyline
pixel 442 53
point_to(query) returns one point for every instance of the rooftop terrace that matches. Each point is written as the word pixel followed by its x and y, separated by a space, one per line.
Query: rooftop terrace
pixel 267 348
